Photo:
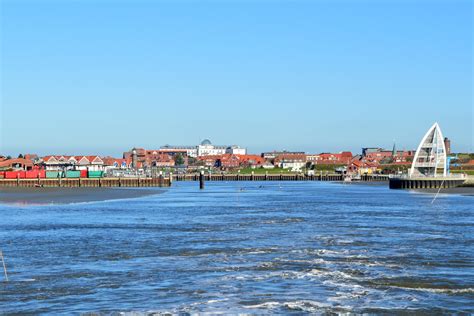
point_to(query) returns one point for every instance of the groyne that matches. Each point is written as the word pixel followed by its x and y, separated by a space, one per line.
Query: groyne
pixel 87 182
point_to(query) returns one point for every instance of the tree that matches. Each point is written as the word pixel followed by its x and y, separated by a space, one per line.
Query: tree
pixel 178 159
pixel 20 156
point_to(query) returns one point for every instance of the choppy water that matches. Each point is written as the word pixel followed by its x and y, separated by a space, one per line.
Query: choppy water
pixel 269 248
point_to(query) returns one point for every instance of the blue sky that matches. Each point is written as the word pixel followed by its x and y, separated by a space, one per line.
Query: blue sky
pixel 104 76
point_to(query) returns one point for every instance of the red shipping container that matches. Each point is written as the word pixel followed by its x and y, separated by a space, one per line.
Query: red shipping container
pixel 32 174
pixel 83 173
pixel 14 174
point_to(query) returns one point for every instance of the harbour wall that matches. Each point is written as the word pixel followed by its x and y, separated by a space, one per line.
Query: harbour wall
pixel 87 182
pixel 275 177
pixel 431 183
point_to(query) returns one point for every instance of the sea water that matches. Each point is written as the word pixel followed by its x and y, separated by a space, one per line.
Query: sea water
pixel 243 247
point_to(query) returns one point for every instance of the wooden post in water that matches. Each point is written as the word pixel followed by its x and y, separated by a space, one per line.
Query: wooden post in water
pixel 201 180
pixel 4 267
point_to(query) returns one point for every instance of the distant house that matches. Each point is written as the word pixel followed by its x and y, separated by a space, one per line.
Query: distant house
pixel 228 161
pixel 360 166
pixel 294 165
pixel 16 164
pixel 55 163
pixel 379 155
pixel 62 162
pixel 115 163
pixel 341 158
pixel 293 161
pixel 154 158
pixel 271 155
pixel 268 165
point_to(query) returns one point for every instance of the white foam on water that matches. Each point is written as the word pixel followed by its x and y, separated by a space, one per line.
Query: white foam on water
pixel 267 305
pixel 307 306
pixel 24 280
pixel 469 290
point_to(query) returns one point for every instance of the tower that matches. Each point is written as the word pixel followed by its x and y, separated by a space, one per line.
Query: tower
pixel 447 145
pixel 430 157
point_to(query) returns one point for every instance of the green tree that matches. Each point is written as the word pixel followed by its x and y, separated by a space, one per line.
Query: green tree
pixel 178 159
pixel 20 156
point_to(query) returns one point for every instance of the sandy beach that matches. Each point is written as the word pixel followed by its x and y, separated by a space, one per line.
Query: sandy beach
pixel 70 195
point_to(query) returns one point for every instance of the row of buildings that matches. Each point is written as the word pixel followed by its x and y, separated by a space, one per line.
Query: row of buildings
pixel 221 157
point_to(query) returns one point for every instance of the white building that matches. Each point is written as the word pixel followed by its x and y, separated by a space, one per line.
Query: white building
pixel 91 163
pixel 236 150
pixel 430 157
pixel 294 165
pixel 206 148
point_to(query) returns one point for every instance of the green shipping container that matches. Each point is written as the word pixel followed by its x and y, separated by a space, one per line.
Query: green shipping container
pixel 73 174
pixel 94 174
pixel 53 174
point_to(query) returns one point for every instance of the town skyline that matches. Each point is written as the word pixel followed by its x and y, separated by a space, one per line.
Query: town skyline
pixel 118 152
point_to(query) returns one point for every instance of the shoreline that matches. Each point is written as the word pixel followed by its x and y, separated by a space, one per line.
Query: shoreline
pixel 58 196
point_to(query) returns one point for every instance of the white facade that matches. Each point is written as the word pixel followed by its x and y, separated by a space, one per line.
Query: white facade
pixel 206 148
pixel 430 157
pixel 292 164
pixel 236 150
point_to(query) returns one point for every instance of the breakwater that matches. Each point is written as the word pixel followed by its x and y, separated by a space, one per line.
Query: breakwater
pixel 87 182
pixel 275 177
pixel 425 183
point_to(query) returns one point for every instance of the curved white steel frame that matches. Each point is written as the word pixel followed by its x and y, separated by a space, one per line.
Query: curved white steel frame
pixel 430 155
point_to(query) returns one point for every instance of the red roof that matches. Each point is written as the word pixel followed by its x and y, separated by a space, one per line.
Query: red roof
pixel 11 162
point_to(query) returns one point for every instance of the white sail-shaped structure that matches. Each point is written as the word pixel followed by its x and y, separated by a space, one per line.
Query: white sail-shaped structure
pixel 430 157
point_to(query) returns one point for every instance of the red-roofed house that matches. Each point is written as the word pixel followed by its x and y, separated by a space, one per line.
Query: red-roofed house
pixel 16 164
pixel 341 158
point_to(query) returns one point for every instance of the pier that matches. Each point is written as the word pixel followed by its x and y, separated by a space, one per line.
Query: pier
pixel 426 183
pixel 87 182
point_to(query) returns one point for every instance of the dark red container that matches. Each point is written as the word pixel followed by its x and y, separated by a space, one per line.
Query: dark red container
pixel 34 174
pixel 14 174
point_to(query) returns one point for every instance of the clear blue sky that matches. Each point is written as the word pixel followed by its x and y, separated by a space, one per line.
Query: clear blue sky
pixel 89 77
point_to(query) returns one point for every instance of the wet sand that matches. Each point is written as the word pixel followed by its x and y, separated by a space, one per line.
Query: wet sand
pixel 35 196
